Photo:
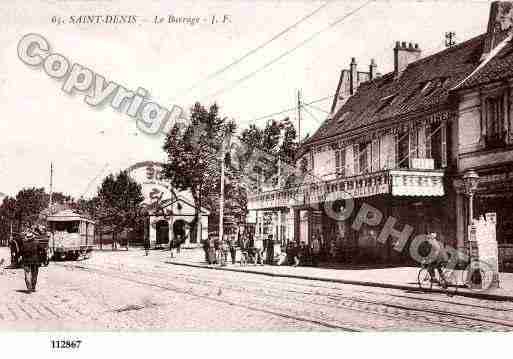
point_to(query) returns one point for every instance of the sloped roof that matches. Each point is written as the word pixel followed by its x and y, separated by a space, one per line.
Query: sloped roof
pixel 500 66
pixel 68 215
pixel 424 85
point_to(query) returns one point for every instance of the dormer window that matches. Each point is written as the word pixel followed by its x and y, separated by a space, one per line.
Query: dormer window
pixel 385 102
pixel 344 116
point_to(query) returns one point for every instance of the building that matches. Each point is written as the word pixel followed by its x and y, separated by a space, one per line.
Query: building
pixel 398 143
pixel 170 211
pixel 484 134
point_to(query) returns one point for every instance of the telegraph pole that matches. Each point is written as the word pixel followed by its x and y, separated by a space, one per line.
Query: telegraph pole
pixel 299 115
pixel 226 144
pixel 51 187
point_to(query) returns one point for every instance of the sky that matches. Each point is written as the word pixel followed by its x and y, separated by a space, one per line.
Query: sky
pixel 174 62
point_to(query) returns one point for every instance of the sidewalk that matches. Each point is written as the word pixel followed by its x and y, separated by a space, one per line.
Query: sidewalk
pixel 404 278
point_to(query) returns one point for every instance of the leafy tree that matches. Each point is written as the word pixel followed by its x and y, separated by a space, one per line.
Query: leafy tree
pixel 119 202
pixel 193 156
pixel 272 150
pixel 30 202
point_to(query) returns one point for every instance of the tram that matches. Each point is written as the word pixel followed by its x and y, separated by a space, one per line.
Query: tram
pixel 71 235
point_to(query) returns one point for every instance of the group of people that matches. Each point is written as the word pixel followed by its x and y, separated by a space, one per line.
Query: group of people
pixel 216 250
pixel 260 251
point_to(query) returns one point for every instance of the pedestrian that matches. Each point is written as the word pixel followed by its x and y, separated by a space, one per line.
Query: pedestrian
pixel 223 252
pixel 295 254
pixel 147 243
pixel 205 250
pixel 333 250
pixel 15 252
pixel 270 250
pixel 212 259
pixel 259 248
pixel 316 250
pixel 233 249
pixel 31 260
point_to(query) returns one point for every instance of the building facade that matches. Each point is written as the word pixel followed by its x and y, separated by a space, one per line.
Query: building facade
pixel 170 212
pixel 484 135
pixel 400 144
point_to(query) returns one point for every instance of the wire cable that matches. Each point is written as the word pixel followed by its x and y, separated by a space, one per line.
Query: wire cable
pixel 288 52
pixel 253 51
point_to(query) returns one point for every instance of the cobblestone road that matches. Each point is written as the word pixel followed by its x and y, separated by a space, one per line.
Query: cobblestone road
pixel 126 290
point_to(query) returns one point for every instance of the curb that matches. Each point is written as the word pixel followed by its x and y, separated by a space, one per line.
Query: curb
pixel 469 294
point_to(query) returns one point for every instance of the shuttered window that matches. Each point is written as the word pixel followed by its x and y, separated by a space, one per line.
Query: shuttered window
pixel 340 162
pixel 375 156
pixel 356 159
pixel 444 144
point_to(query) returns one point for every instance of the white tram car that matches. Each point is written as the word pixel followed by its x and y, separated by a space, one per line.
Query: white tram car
pixel 71 235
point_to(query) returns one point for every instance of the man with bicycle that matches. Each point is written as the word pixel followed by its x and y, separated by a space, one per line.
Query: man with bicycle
pixel 437 258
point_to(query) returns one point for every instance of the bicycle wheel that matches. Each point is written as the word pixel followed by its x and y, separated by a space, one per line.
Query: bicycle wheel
pixel 451 281
pixel 478 276
pixel 424 279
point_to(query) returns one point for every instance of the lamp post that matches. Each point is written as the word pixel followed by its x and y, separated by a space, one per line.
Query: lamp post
pixel 470 183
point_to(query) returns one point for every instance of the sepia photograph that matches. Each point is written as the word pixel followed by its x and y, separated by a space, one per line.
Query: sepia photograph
pixel 255 167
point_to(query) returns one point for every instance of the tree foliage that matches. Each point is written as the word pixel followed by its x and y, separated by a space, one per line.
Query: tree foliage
pixel 194 153
pixel 119 201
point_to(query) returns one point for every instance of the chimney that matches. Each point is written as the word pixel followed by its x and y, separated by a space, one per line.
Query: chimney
pixel 353 77
pixel 405 54
pixel 500 19
pixel 373 68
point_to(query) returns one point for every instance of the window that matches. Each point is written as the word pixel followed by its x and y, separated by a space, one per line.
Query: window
pixel 375 156
pixel 385 102
pixel 68 226
pixel 403 149
pixel 494 122
pixel 364 150
pixel 340 162
pixel 436 144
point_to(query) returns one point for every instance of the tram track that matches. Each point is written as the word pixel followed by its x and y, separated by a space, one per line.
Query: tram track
pixel 490 320
pixel 318 322
pixel 447 319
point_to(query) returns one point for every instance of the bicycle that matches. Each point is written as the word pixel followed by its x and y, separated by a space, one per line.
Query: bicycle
pixel 475 275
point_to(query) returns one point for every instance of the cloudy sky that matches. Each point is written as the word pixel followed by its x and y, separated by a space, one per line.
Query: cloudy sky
pixel 174 62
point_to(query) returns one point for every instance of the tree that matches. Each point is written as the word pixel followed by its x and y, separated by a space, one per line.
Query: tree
pixel 193 156
pixel 30 202
pixel 118 203
pixel 272 149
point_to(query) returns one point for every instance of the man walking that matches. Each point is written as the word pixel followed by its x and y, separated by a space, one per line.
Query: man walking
pixel 233 249
pixel 31 260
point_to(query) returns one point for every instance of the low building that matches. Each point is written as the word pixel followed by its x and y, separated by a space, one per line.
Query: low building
pixel 170 212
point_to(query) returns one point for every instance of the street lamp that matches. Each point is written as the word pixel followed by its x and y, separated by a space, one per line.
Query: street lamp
pixel 470 181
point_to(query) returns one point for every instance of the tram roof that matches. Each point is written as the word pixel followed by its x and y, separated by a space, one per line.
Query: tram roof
pixel 68 215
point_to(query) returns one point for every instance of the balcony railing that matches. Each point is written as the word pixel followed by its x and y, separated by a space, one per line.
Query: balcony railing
pixel 397 182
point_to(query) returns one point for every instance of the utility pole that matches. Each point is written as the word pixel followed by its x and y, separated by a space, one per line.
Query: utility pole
pixel 299 115
pixel 450 39
pixel 226 144
pixel 51 187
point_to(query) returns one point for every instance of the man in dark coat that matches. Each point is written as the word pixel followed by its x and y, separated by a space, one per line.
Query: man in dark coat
pixel 31 260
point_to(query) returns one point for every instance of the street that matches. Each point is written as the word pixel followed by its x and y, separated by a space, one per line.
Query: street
pixel 127 290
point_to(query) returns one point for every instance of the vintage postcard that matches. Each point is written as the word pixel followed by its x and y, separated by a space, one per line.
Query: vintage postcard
pixel 255 166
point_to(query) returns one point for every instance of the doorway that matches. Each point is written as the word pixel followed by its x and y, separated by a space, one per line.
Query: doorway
pixel 162 229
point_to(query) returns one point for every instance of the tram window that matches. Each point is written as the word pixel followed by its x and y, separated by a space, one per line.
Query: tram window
pixel 70 227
